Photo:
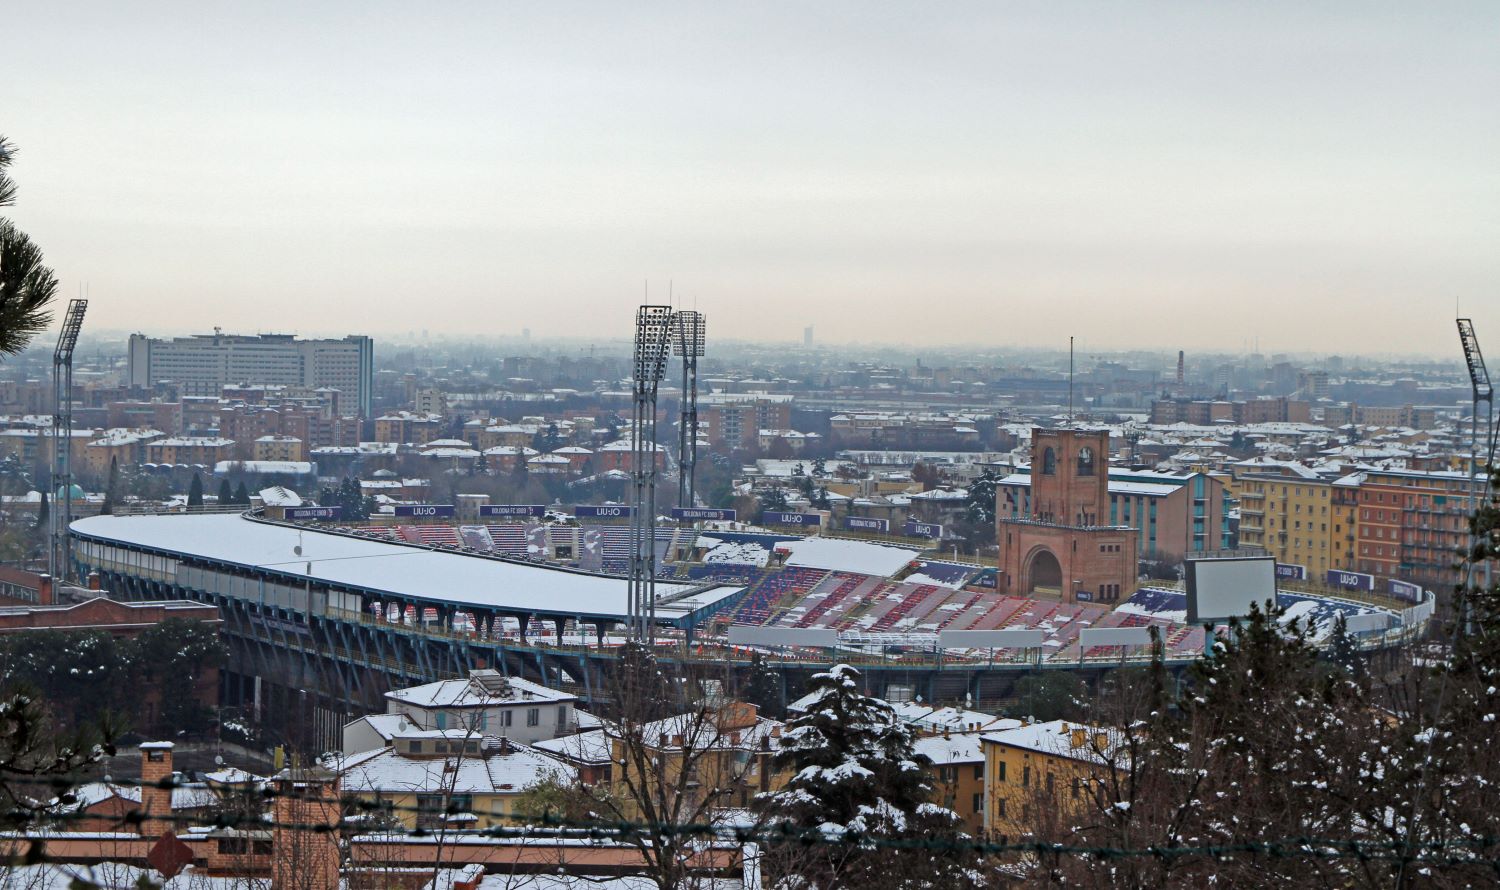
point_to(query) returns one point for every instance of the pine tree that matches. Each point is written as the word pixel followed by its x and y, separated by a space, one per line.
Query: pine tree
pixel 195 493
pixel 764 688
pixel 226 494
pixel 111 488
pixel 858 782
pixel 242 494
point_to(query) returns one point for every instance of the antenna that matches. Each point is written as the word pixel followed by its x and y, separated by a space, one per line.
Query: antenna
pixel 1070 380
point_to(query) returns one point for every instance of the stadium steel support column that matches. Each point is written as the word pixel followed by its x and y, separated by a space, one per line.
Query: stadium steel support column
pixel 689 330
pixel 653 334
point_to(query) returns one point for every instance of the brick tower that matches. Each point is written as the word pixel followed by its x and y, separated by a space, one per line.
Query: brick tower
pixel 1060 543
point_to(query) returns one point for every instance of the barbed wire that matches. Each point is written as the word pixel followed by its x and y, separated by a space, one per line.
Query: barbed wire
pixel 769 834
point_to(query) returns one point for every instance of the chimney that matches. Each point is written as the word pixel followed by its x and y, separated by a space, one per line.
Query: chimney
pixel 95 582
pixel 156 788
pixel 305 838
pixel 44 590
pixel 1080 738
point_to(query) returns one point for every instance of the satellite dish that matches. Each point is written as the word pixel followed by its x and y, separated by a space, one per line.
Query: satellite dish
pixel 297 550
pixel 218 759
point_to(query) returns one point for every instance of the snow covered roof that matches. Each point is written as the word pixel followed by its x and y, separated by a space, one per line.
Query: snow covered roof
pixel 414 572
pixel 1057 738
pixel 860 557
pixel 276 496
pixel 486 689
pixel 387 771
pixel 284 467
pixel 962 748
pixel 585 747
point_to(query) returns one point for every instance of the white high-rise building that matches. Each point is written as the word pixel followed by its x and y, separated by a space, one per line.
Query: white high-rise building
pixel 202 365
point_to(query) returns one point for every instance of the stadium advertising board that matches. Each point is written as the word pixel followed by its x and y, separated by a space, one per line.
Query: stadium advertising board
pixel 1405 590
pixel 1286 571
pixel 603 511
pixel 915 529
pixel 778 517
pixel 1350 580
pixel 512 510
pixel 692 514
pixel 315 513
pixel 425 511
pixel 1226 587
pixel 866 524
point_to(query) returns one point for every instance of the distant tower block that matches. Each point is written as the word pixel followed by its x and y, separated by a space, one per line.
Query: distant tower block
pixel 1181 378
pixel 807 336
pixel 1059 543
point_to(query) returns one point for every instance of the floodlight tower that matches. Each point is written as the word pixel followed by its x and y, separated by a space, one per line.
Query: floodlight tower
pixel 689 329
pixel 653 343
pixel 60 551
pixel 1479 380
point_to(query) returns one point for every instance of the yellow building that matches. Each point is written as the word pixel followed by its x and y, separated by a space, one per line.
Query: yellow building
pixel 287 448
pixel 425 778
pixel 957 775
pixel 1291 512
pixel 1037 778
pixel 727 751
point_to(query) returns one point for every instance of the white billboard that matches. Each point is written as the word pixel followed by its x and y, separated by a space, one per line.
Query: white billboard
pixel 1226 587
pixel 752 635
pixel 1114 636
pixel 1016 638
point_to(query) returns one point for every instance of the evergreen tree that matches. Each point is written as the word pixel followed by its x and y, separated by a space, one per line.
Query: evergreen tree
pixel 226 494
pixel 242 494
pixel 856 775
pixel 111 488
pixel 764 688
pixel 773 499
pixel 26 286
pixel 195 493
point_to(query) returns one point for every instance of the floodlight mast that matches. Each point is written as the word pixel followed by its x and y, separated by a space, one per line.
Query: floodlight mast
pixel 60 550
pixel 689 329
pixel 653 343
pixel 1483 391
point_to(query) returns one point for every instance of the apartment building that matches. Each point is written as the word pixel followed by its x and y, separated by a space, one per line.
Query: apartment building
pixel 1040 777
pixel 1292 512
pixel 734 420
pixel 1412 525
pixel 204 364
pixel 206 450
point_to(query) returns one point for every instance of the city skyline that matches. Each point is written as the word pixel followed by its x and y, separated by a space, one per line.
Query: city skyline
pixel 1163 177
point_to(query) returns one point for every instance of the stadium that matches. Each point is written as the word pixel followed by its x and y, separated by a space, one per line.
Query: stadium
pixel 348 610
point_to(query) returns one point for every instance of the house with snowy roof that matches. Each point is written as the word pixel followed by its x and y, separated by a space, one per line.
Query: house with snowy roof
pixel 484 703
pixel 1043 771
pixel 426 779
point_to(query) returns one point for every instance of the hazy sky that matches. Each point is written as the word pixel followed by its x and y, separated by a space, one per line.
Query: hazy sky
pixel 1321 176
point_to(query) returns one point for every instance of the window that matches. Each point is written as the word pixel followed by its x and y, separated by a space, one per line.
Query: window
pixel 1026 777
pixel 1085 461
pixel 442 720
pixel 1000 806
pixel 978 771
pixel 416 747
pixel 506 718
pixel 1049 462
pixel 1049 783
pixel 533 716
pixel 978 803
pixel 562 715
pixel 1002 771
